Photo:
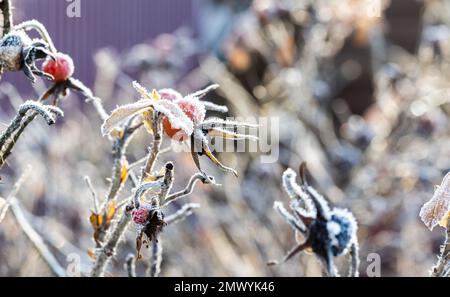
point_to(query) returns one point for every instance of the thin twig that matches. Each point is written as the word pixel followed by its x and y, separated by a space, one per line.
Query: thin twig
pixel 14 192
pixel 93 193
pixel 182 213
pixel 189 188
pixel 354 260
pixel 155 267
pixel 130 265
pixel 37 240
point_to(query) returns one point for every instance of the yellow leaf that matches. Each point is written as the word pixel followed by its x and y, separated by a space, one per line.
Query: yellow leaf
pixel 96 220
pixel 112 208
pixel 444 221
pixel 153 177
pixel 123 171
pixel 148 123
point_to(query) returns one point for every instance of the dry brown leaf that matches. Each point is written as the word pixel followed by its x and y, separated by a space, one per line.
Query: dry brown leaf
pixel 437 208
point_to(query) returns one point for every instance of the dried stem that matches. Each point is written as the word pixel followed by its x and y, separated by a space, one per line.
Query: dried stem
pixel 37 240
pixel 6 8
pixel 93 193
pixel 189 188
pixel 442 267
pixel 22 119
pixel 107 251
pixel 130 265
pixel 155 267
pixel 354 261
pixel 182 213
pixel 14 192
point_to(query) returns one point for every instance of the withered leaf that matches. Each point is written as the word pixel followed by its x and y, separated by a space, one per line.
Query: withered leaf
pixel 124 171
pixel 122 113
pixel 444 221
pixel 111 211
pixel 96 220
pixel 437 208
pixel 91 254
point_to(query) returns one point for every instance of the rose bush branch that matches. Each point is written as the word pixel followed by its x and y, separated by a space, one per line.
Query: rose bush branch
pixel 27 112
pixel 6 8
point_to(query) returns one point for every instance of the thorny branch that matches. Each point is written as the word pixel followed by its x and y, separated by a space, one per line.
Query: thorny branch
pixel 9 137
pixel 107 251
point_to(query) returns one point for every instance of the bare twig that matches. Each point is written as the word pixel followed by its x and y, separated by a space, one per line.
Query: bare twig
pixel 22 119
pixel 6 8
pixel 14 192
pixel 182 213
pixel 130 265
pixel 107 251
pixel 354 261
pixel 189 188
pixel 155 267
pixel 94 195
pixel 37 240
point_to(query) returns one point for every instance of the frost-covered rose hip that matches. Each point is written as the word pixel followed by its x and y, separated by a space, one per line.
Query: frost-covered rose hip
pixel 140 215
pixel 61 69
pixel 195 111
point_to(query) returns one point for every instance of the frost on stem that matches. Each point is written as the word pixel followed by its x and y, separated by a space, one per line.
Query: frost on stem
pixel 9 137
pixel 437 212
pixel 329 232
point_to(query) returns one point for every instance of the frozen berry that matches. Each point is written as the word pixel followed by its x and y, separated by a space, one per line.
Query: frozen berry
pixel 140 215
pixel 195 111
pixel 61 69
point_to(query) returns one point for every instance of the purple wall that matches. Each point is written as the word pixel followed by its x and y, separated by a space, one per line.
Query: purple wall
pixel 116 23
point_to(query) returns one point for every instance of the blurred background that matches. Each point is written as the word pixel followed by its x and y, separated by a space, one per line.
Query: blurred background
pixel 360 88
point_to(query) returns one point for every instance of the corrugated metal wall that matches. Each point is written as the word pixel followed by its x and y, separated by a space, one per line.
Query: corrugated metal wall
pixel 116 23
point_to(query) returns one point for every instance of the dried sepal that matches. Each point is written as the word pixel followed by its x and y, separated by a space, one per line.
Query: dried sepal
pixel 436 209
pixel 226 134
pixel 102 221
pixel 178 119
pixel 124 112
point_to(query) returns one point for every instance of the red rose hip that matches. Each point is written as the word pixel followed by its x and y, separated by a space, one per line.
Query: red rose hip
pixel 61 69
pixel 194 110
